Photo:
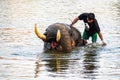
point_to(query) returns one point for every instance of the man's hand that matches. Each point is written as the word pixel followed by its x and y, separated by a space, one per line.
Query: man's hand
pixel 70 25
pixel 103 43
pixel 74 21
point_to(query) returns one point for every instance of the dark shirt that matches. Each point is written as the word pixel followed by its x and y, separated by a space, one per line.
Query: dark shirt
pixel 93 27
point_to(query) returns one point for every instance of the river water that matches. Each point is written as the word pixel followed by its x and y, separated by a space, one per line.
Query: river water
pixel 21 52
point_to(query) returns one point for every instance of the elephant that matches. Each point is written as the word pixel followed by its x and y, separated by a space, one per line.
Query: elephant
pixel 60 37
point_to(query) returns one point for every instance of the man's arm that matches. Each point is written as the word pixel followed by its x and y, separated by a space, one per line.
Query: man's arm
pixel 101 37
pixel 99 32
pixel 74 21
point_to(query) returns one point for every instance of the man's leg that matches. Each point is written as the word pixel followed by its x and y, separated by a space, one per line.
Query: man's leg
pixel 94 37
pixel 85 37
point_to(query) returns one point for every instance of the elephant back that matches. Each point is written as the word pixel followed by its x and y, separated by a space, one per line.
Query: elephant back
pixel 76 35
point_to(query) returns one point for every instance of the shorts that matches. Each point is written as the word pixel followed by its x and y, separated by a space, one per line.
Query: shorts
pixel 86 36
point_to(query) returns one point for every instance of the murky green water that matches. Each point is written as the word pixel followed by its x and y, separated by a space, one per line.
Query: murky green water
pixel 21 52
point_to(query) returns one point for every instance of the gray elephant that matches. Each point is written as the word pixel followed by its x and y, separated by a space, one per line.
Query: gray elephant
pixel 60 37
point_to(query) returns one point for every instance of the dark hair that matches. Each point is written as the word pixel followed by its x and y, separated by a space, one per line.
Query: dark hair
pixel 91 16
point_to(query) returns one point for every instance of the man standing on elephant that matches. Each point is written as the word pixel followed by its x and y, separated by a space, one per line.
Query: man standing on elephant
pixel 91 27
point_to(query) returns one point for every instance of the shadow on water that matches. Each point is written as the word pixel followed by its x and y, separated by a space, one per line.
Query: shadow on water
pixel 117 5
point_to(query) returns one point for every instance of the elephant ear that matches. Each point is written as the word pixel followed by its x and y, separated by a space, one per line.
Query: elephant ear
pixel 66 40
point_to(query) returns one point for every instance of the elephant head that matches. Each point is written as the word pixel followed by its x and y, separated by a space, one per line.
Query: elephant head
pixel 61 37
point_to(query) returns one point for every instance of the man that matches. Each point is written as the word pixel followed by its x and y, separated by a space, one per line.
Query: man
pixel 91 27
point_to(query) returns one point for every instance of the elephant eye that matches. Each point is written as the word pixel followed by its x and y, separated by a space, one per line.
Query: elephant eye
pixel 50 39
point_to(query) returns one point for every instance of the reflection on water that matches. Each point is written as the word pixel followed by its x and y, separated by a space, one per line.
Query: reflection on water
pixel 21 52
pixel 53 63
pixel 74 64
pixel 91 61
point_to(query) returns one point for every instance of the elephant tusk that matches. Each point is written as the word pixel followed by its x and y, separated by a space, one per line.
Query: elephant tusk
pixel 41 36
pixel 58 36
